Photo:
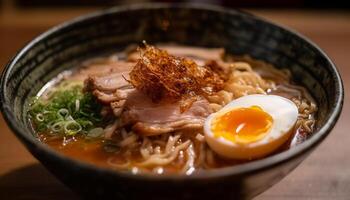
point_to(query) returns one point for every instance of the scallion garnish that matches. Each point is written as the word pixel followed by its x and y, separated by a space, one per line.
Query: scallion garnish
pixel 67 112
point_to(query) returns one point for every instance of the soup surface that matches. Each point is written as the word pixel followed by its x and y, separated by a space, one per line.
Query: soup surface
pixel 143 110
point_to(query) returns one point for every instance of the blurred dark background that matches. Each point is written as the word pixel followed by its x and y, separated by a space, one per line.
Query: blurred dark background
pixel 21 20
pixel 319 4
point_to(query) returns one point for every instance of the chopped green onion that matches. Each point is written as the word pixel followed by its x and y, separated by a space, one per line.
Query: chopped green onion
pixel 77 104
pixel 40 117
pixel 72 127
pixel 66 111
pixel 57 127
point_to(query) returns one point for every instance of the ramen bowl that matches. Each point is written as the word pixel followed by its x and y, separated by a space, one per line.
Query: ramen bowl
pixel 111 30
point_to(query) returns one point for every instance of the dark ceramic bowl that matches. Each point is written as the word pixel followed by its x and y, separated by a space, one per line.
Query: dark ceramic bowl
pixel 64 46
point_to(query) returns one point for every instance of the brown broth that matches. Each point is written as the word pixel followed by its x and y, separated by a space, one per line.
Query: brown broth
pixel 78 148
pixel 93 152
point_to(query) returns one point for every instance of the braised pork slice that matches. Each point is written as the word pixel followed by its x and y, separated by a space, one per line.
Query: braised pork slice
pixel 111 78
pixel 149 118
pixel 137 110
pixel 159 93
pixel 109 83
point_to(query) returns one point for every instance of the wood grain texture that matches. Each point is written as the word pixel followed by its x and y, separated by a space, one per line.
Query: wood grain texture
pixel 323 175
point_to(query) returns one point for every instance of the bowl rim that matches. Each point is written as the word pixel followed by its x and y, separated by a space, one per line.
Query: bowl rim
pixel 237 170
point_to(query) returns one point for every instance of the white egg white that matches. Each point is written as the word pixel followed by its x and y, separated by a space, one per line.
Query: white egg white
pixel 284 113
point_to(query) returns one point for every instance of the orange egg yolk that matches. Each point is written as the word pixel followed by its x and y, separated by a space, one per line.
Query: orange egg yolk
pixel 242 125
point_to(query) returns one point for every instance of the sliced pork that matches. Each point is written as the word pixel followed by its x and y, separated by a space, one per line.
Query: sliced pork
pixel 109 83
pixel 148 116
pixel 137 110
pixel 110 80
pixel 151 118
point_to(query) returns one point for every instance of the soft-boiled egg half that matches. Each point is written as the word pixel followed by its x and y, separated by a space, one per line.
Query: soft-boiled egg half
pixel 251 126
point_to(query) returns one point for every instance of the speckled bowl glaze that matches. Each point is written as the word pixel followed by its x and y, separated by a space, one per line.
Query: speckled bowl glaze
pixel 64 46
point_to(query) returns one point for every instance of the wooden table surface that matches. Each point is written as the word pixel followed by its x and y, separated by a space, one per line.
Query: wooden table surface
pixel 323 175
